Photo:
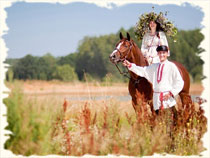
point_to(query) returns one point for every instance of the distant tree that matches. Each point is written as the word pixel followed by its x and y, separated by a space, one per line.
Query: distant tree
pixel 92 58
pixel 11 61
pixel 64 73
pixel 69 59
pixel 30 67
pixel 26 68
pixel 47 64
pixel 10 75
pixel 187 51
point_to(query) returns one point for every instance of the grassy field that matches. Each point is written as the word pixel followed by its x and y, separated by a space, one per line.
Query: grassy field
pixel 80 88
pixel 45 120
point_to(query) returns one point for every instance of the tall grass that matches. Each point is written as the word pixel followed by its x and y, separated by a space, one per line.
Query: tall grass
pixel 30 120
pixel 49 125
pixel 109 131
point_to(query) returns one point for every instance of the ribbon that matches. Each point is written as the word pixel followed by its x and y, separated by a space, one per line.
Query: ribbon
pixel 160 73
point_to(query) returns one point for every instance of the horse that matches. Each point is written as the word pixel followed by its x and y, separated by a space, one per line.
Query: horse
pixel 140 88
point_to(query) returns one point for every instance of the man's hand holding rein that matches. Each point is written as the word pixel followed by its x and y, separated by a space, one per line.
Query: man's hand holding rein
pixel 127 63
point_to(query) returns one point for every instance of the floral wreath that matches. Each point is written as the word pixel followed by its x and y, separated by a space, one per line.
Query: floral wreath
pixel 142 26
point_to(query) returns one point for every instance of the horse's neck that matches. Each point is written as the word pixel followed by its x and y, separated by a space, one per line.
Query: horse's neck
pixel 138 57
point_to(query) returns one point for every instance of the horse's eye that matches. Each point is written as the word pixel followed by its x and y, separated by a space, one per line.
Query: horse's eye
pixel 126 46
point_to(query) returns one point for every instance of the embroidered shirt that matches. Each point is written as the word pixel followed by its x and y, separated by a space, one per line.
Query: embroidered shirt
pixel 150 43
pixel 169 81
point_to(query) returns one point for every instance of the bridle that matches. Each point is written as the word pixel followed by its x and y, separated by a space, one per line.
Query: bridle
pixel 136 81
pixel 124 58
pixel 127 50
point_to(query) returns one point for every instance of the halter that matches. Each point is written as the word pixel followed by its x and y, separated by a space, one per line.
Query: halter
pixel 128 51
pixel 136 81
pixel 123 59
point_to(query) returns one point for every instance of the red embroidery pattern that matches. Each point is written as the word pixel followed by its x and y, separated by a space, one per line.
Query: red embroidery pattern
pixel 160 73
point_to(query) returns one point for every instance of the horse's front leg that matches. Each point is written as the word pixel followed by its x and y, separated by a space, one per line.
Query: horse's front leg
pixel 133 92
pixel 141 106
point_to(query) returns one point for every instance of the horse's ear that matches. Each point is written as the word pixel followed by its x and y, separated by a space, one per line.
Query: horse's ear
pixel 121 36
pixel 128 36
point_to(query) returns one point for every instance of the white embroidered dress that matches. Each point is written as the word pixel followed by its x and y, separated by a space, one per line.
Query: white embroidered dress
pixel 149 45
pixel 169 81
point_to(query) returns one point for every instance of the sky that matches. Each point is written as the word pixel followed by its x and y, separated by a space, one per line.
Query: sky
pixel 40 28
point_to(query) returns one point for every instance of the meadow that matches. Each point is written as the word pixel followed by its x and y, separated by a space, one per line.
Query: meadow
pixel 78 118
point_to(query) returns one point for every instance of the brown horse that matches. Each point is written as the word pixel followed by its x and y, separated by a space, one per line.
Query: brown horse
pixel 140 88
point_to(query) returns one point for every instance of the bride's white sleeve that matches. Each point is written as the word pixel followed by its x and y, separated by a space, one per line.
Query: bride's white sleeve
pixel 144 47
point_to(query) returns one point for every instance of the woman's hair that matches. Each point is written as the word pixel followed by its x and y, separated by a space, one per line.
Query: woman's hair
pixel 158 29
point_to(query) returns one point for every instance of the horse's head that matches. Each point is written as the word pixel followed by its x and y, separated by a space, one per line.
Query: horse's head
pixel 122 50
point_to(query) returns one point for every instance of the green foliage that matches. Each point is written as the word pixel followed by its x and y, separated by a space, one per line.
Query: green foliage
pixel 69 59
pixel 186 50
pixel 142 25
pixel 92 57
pixel 65 73
pixel 26 68
pixel 47 64
pixel 47 126
pixel 14 116
pixel 11 61
pixel 10 75
pixel 30 67
pixel 29 121
pixel 109 131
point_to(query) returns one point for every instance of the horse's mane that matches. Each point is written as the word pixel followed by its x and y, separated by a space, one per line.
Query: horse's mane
pixel 139 58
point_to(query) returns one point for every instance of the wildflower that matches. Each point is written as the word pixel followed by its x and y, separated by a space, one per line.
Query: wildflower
pixel 142 25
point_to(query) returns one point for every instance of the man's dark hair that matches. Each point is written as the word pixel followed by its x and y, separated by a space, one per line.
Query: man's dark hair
pixel 162 48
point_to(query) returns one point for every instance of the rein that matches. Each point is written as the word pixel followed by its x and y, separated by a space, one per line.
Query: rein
pixel 136 81
pixel 123 73
pixel 123 59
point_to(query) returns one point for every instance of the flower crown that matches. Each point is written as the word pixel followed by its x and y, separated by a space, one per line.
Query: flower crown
pixel 142 26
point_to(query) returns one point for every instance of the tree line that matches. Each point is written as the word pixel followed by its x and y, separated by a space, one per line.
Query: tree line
pixel 91 60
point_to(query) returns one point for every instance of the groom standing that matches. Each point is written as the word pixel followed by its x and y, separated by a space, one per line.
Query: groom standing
pixel 165 78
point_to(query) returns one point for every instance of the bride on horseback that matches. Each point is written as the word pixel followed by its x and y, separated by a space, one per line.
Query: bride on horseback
pixel 152 29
